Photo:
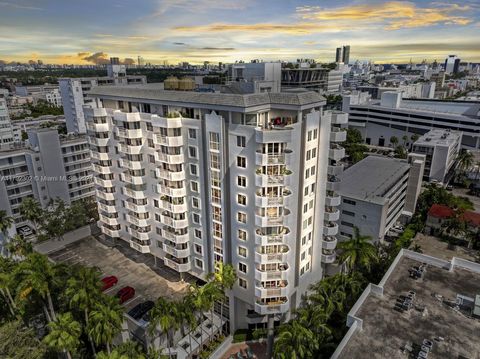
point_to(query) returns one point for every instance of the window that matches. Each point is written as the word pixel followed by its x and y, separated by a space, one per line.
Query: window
pixel 241 162
pixel 198 233
pixel 150 143
pixel 241 141
pixel 242 235
pixel 193 170
pixel 198 263
pixel 305 208
pixel 309 154
pixel 312 171
pixel 198 249
pixel 196 218
pixel 192 133
pixel 242 217
pixel 348 213
pixel 195 202
pixel 242 267
pixel 242 283
pixel 241 199
pixel 315 133
pixel 242 181
pixel 194 186
pixel 348 224
pixel 348 201
pixel 309 136
pixel 192 152
pixel 242 252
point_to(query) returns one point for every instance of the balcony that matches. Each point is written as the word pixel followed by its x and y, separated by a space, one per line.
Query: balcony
pixel 272 292
pixel 174 208
pixel 262 159
pixel 328 256
pixel 335 170
pixel 271 257
pixel 106 208
pixel 105 195
pixel 171 159
pixel 339 118
pixel 101 156
pixel 129 133
pixel 333 183
pixel 130 149
pixel 98 141
pixel 174 223
pixel 266 221
pixel 332 200
pixel 132 165
pixel 136 207
pixel 263 180
pixel 332 214
pixel 110 233
pixel 98 127
pixel 338 135
pixel 261 240
pixel 140 235
pixel 272 275
pixel 336 153
pixel 268 201
pixel 329 242
pixel 169 175
pixel 172 192
pixel 167 122
pixel 330 228
pixel 102 183
pixel 136 194
pixel 105 170
pixel 135 180
pixel 170 141
pixel 139 247
pixel 275 134
pixel 272 307
pixel 108 220
pixel 179 267
pixel 176 238
pixel 179 253
pixel 137 221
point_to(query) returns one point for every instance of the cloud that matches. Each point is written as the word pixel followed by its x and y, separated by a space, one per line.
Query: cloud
pixel 180 43
pixel 14 5
pixel 128 61
pixel 393 14
pixel 97 58
pixel 218 48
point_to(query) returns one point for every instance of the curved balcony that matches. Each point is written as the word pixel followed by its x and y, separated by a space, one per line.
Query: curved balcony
pixel 330 228
pixel 174 223
pixel 179 253
pixel 275 134
pixel 135 180
pixel 137 221
pixel 126 116
pixel 262 240
pixel 270 257
pixel 110 233
pixel 262 159
pixel 108 220
pixel 338 135
pixel 134 193
pixel 132 165
pixel 268 201
pixel 136 207
pixel 105 195
pixel 103 183
pixel 169 175
pixel 130 149
pixel 106 208
pixel 140 235
pixel 140 248
pixel 173 192
pixel 332 214
pixel 105 170
pixel 166 122
pixel 129 133
pixel 329 242
pixel 328 256
pixel 333 183
pixel 272 292
pixel 102 142
pixel 332 200
pixel 267 221
pixel 175 208
pixel 176 238
pixel 101 156
pixel 272 275
pixel 282 306
pixel 170 141
pixel 336 153
pixel 171 159
pixel 97 127
pixel 335 170
pixel 263 180
pixel 339 117
pixel 179 267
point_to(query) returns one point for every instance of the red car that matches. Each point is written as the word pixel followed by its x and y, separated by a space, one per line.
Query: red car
pixel 109 282
pixel 125 294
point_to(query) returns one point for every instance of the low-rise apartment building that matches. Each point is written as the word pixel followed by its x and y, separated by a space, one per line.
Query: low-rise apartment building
pixel 199 178
pixel 6 133
pixel 49 93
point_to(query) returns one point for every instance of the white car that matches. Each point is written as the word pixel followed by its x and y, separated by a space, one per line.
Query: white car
pixel 25 231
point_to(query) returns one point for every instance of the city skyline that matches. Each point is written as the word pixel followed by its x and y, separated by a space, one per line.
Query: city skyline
pixel 224 31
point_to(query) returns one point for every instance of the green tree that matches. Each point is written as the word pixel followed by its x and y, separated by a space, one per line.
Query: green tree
pixel 394 141
pixel 20 342
pixel 295 341
pixel 6 283
pixel 465 160
pixel 64 334
pixel 225 276
pixel 357 252
pixel 164 315
pixel 105 321
pixel 405 139
pixel 115 354
pixel 130 349
pixel 32 211
pixel 19 246
pixel 84 292
pixel 5 223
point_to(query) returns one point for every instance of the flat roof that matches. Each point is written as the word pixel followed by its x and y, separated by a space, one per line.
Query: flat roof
pixel 371 178
pixel 149 92
pixel 386 330
pixel 439 137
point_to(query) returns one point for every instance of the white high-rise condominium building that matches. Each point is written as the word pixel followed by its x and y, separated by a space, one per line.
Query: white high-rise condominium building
pixel 195 178
pixel 6 132
pixel 74 93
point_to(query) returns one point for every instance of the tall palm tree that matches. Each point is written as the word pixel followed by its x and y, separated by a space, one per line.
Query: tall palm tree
pixel 295 341
pixel 465 160
pixel 105 321
pixel 32 211
pixel 188 317
pixel 64 334
pixel 19 246
pixel 37 275
pixel 5 223
pixel 164 315
pixel 405 139
pixel 7 267
pixel 225 276
pixel 211 294
pixel 357 252
pixel 84 292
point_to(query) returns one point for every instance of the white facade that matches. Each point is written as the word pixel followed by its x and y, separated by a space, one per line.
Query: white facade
pixel 6 133
pixel 257 76
pixel 74 94
pixel 198 178
pixel 49 93
pixel 441 148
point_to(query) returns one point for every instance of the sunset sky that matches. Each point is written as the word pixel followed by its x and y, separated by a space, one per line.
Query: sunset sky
pixel 89 31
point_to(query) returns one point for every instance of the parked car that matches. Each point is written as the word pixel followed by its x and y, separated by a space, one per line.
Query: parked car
pixel 125 294
pixel 109 282
pixel 141 309
pixel 25 231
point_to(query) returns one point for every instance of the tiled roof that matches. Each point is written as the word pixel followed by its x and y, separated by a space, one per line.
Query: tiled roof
pixel 444 212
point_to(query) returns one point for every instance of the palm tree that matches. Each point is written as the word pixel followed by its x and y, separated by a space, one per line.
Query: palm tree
pixel 115 354
pixel 164 315
pixel 5 282
pixel 357 252
pixel 84 292
pixel 105 321
pixel 129 349
pixel 64 334
pixel 37 275
pixel 405 139
pixel 187 316
pixel 295 341
pixel 225 276
pixel 5 223
pixel 465 160
pixel 19 246
pixel 394 141
pixel 32 211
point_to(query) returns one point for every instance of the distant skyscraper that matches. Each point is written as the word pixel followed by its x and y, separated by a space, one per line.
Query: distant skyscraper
pixel 452 64
pixel 338 56
pixel 343 54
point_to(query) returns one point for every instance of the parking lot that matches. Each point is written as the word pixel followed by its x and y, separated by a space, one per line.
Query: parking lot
pixel 111 261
